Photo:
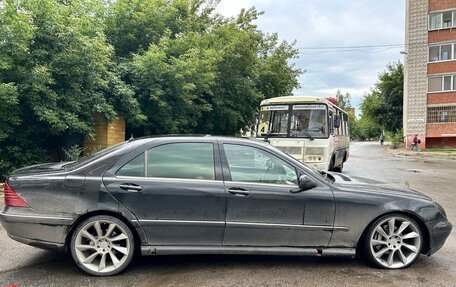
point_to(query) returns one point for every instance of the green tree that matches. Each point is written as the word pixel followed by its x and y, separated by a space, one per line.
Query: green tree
pixel 383 105
pixel 390 88
pixel 169 66
pixel 206 74
pixel 56 71
pixel 344 100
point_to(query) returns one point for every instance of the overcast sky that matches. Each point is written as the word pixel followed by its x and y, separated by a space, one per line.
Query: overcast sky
pixel 333 23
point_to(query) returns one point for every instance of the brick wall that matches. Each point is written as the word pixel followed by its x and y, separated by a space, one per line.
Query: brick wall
pixel 441 142
pixel 435 130
pixel 442 67
pixel 442 35
pixel 116 131
pixel 441 98
pixel 106 134
pixel 435 5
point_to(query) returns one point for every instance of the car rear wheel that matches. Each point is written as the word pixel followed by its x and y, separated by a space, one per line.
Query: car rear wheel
pixel 393 242
pixel 102 245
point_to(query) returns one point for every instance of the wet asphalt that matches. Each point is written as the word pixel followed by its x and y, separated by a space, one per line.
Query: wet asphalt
pixel 22 265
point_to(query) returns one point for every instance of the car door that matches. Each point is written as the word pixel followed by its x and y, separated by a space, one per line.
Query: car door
pixel 175 190
pixel 261 210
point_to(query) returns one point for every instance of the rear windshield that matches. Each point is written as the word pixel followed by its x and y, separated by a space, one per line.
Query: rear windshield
pixel 99 154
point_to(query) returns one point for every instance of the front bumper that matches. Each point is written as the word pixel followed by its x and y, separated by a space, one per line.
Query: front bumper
pixel 43 231
pixel 439 231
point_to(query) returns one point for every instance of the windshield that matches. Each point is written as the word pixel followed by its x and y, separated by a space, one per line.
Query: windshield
pixel 308 120
pixel 274 121
pixel 93 156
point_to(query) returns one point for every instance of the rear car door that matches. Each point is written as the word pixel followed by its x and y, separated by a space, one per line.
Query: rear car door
pixel 261 210
pixel 175 190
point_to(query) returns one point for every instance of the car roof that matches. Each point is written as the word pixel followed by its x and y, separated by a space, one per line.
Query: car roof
pixel 196 137
pixel 190 136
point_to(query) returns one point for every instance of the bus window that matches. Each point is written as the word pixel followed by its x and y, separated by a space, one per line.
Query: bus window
pixel 343 122
pixel 273 121
pixel 330 122
pixel 346 124
pixel 308 121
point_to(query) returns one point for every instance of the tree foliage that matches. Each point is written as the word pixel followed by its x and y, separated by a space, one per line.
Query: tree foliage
pixel 344 100
pixel 384 105
pixel 202 73
pixel 168 66
pixel 56 72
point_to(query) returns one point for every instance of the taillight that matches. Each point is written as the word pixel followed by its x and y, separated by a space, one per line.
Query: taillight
pixel 11 197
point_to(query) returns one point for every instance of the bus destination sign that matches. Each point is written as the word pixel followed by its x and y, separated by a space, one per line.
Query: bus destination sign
pixel 274 108
pixel 309 107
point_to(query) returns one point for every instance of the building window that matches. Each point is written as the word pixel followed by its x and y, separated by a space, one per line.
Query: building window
pixel 435 21
pixel 434 53
pixel 447 83
pixel 444 114
pixel 444 83
pixel 442 20
pixel 442 52
pixel 447 18
pixel 435 84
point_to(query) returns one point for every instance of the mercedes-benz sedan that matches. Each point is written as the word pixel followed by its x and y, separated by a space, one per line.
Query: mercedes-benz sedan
pixel 206 195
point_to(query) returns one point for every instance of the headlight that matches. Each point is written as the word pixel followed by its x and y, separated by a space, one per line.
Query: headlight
pixel 314 154
pixel 313 158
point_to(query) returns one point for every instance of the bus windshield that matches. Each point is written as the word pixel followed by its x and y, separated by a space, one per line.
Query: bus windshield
pixel 274 121
pixel 307 121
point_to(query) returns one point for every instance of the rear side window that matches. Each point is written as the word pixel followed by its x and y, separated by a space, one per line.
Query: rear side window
pixel 182 160
pixel 134 167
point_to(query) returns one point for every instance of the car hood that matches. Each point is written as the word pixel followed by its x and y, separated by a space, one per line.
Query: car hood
pixel 367 185
pixel 41 168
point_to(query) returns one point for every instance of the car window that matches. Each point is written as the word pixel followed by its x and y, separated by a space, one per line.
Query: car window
pixel 249 164
pixel 134 167
pixel 182 160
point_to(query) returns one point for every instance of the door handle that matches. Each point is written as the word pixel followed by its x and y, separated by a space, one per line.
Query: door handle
pixel 130 187
pixel 238 191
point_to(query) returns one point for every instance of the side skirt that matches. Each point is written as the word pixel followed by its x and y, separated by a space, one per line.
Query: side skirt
pixel 246 250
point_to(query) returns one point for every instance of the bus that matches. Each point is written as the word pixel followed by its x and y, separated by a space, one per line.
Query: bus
pixel 312 130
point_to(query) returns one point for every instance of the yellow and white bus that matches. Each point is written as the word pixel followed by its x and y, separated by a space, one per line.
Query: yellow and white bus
pixel 310 129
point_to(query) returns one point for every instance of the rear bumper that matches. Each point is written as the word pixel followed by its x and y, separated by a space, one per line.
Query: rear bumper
pixel 47 232
pixel 439 231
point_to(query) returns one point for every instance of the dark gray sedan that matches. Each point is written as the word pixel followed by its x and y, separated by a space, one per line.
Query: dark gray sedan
pixel 207 195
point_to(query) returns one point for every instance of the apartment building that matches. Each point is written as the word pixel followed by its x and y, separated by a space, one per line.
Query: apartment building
pixel 430 72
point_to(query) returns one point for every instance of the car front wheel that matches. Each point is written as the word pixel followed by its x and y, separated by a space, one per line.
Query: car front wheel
pixel 393 242
pixel 102 245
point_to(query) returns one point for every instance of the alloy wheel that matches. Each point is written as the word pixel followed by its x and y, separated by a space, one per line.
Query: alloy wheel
pixel 395 242
pixel 102 246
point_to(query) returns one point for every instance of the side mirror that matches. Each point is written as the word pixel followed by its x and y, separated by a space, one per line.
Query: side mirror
pixel 336 121
pixel 304 183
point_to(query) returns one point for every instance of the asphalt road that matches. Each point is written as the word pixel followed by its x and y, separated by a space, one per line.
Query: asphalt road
pixel 22 265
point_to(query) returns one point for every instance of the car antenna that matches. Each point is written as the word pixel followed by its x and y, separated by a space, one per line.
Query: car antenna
pixel 131 138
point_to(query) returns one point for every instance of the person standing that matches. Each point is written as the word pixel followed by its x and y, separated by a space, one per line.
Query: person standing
pixel 415 142
pixel 382 138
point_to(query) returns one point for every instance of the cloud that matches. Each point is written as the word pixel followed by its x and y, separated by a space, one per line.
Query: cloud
pixel 316 23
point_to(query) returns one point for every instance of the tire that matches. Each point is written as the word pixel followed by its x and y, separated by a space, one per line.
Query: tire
pixel 116 244
pixel 393 250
